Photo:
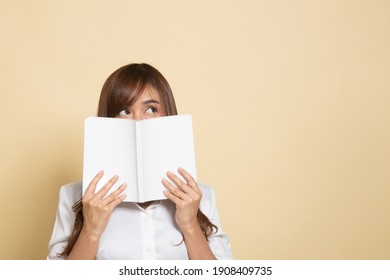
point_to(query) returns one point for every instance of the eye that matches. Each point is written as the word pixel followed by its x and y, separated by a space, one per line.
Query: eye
pixel 124 113
pixel 151 110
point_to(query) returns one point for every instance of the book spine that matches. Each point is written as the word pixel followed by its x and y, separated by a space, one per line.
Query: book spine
pixel 140 178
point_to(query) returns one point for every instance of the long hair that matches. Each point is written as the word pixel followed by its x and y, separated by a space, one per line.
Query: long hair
pixel 121 89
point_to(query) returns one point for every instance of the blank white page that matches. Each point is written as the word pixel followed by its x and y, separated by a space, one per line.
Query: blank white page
pixel 167 144
pixel 109 145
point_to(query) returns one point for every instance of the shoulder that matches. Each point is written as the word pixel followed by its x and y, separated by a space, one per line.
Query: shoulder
pixel 208 197
pixel 206 189
pixel 68 196
pixel 70 193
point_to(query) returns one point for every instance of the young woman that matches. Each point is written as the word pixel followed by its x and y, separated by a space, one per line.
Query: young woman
pixel 186 225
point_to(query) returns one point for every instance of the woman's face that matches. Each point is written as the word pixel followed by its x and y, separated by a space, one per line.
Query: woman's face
pixel 147 106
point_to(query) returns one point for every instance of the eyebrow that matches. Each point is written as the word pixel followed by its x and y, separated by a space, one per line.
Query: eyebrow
pixel 150 101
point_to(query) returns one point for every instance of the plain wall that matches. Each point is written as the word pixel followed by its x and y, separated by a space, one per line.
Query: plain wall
pixel 290 103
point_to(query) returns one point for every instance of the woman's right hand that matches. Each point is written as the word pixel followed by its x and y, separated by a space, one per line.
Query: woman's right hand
pixel 97 207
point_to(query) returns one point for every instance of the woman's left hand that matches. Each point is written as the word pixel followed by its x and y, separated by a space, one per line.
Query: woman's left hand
pixel 186 197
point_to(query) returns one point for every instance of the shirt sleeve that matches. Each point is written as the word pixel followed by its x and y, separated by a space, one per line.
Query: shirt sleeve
pixel 218 241
pixel 65 217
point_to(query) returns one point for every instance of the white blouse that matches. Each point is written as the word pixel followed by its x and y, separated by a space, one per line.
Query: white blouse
pixel 136 233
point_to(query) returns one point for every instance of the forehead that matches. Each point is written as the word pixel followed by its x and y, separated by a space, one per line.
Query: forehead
pixel 149 94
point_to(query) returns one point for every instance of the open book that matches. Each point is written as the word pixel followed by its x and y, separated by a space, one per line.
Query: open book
pixel 139 152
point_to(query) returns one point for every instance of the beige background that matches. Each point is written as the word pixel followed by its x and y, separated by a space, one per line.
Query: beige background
pixel 290 101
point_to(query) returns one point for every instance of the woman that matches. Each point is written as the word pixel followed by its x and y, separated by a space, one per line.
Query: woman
pixel 101 227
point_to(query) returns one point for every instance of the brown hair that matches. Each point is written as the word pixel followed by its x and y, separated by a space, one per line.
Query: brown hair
pixel 121 89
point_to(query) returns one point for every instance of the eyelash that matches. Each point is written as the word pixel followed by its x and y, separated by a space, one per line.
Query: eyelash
pixel 127 111
pixel 153 108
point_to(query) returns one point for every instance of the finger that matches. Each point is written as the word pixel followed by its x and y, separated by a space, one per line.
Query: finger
pixel 172 197
pixel 190 180
pixel 92 185
pixel 103 191
pixel 116 201
pixel 174 190
pixel 178 182
pixel 115 194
